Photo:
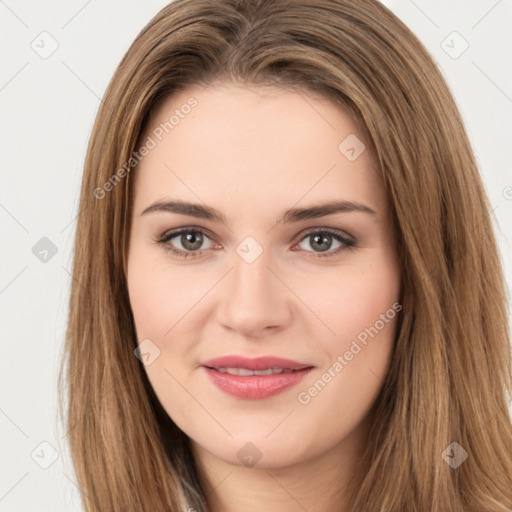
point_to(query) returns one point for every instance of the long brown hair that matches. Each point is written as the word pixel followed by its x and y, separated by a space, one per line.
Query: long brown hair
pixel 450 377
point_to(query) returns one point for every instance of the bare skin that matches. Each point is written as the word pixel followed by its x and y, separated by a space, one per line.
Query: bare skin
pixel 252 153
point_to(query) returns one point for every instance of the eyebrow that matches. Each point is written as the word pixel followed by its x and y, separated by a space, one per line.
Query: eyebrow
pixel 290 216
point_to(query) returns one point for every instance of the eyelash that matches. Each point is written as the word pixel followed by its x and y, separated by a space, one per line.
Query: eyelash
pixel 348 244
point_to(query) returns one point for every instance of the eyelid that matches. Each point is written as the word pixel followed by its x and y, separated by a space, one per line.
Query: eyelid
pixel 348 241
pixel 171 233
pixel 168 235
pixel 322 229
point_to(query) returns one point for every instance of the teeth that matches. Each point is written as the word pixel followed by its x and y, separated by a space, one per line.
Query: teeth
pixel 244 372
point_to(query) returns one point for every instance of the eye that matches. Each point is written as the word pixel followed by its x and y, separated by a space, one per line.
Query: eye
pixel 322 241
pixel 189 242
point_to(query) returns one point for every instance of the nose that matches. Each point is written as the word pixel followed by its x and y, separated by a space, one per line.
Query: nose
pixel 255 301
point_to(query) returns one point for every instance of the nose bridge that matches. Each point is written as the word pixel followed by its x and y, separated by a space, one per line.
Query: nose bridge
pixel 251 280
pixel 254 298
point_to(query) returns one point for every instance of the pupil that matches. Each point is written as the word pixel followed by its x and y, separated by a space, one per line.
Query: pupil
pixel 192 241
pixel 323 240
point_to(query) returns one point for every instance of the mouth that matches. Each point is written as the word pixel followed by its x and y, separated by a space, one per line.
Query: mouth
pixel 255 378
pixel 244 372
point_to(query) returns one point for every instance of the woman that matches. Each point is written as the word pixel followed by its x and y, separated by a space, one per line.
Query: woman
pixel 287 292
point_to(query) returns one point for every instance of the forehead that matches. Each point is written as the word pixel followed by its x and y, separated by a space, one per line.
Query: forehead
pixel 229 143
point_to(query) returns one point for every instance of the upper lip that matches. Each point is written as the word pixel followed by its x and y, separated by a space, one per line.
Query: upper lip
pixel 256 363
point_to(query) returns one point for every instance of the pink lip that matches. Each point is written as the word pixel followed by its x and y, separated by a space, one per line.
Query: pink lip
pixel 255 386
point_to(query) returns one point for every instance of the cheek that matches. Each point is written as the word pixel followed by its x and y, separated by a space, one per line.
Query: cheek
pixel 354 300
pixel 161 300
pixel 162 306
pixel 363 314
pixel 168 310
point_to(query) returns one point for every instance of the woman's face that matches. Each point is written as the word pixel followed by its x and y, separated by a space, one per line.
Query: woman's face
pixel 261 230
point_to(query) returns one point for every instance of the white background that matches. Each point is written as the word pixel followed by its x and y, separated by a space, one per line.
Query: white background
pixel 47 111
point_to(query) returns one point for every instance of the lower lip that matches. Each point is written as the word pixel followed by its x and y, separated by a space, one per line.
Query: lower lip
pixel 255 386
